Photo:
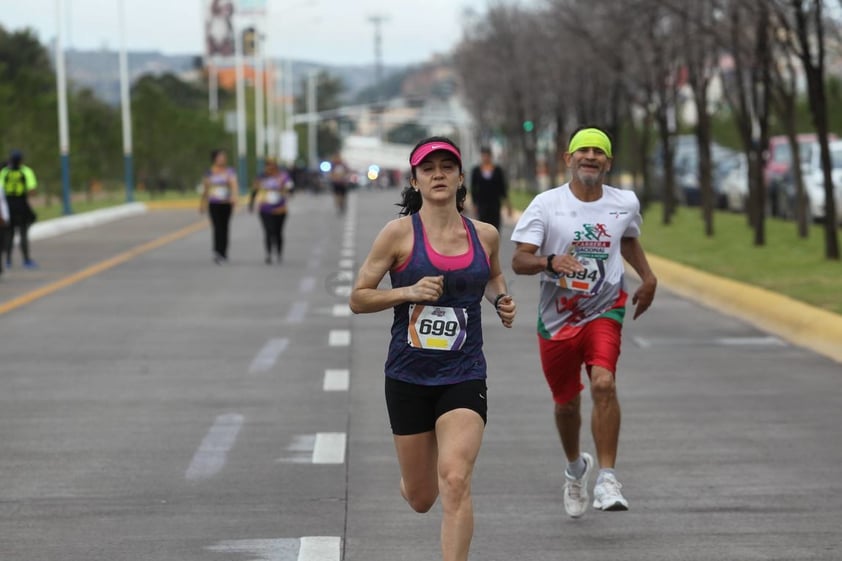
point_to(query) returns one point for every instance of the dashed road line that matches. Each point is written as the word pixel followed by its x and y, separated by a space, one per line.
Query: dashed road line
pixel 212 453
pixel 268 355
pixel 329 448
pixel 340 310
pixel 297 312
pixel 339 338
pixel 336 380
pixel 320 548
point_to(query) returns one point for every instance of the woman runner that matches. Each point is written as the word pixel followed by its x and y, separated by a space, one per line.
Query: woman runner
pixel 441 265
pixel 271 190
pixel 219 197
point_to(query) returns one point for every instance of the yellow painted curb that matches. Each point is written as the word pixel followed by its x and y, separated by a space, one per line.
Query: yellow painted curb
pixel 790 319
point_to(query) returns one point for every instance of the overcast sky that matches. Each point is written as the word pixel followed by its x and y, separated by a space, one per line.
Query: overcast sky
pixel 329 31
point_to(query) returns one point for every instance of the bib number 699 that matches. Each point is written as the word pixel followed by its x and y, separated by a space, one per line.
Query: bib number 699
pixel 438 327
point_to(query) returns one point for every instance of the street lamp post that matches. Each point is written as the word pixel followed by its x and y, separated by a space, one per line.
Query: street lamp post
pixel 125 102
pixel 242 172
pixel 63 132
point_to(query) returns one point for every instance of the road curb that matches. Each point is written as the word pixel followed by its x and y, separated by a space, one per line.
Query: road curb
pixel 57 226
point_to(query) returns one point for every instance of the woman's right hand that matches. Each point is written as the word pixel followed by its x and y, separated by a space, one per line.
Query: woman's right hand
pixel 428 289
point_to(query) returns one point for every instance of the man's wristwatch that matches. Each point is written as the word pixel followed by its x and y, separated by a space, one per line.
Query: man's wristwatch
pixel 550 263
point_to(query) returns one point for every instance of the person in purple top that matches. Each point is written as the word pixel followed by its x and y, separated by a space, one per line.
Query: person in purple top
pixel 219 197
pixel 271 192
pixel 442 265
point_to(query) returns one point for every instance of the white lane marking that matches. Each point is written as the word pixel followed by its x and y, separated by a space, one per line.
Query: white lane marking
pixel 266 550
pixel 300 450
pixel 346 264
pixel 307 284
pixel 341 310
pixel 319 548
pixel 212 453
pixel 297 312
pixel 342 291
pixel 762 341
pixel 268 355
pixel 329 448
pixel 347 252
pixel 336 380
pixel 339 338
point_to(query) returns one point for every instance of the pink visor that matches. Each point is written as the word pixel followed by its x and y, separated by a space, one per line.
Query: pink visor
pixel 426 149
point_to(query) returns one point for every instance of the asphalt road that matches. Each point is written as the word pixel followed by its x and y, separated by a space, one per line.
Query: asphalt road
pixel 157 407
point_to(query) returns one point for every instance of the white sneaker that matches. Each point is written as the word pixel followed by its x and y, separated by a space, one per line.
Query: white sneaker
pixel 607 495
pixel 576 490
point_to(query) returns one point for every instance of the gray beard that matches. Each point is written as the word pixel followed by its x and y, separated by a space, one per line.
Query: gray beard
pixel 591 181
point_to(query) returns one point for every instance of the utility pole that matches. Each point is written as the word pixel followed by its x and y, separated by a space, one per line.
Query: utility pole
pixel 377 21
pixel 312 123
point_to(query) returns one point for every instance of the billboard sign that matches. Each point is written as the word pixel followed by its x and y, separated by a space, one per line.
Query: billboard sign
pixel 219 29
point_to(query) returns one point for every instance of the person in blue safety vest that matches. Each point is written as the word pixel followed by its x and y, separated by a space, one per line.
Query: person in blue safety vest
pixel 18 183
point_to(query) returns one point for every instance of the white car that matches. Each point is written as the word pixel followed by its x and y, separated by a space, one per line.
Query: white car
pixel 735 185
pixel 814 181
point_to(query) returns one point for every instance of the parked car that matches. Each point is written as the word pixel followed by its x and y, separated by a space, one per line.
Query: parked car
pixel 814 181
pixel 780 183
pixel 687 174
pixel 686 169
pixel 735 185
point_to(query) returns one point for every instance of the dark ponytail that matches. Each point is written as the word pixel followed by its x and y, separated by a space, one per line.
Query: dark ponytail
pixel 410 201
pixel 411 197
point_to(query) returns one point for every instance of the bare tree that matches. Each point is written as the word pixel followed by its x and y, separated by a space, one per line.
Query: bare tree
pixel 784 98
pixel 499 62
pixel 808 24
pixel 747 91
pixel 701 55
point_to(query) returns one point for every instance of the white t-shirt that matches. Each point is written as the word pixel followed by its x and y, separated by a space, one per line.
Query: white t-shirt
pixel 558 222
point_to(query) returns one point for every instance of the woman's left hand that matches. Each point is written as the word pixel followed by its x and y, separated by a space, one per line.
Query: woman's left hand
pixel 507 309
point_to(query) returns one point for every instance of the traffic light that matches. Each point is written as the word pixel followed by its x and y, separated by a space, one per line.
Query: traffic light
pixel 249 41
pixel 528 126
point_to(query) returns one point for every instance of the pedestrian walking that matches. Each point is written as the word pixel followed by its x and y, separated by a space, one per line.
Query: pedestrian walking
pixel 340 177
pixel 441 266
pixel 271 192
pixel 18 183
pixel 4 221
pixel 576 237
pixel 489 190
pixel 219 197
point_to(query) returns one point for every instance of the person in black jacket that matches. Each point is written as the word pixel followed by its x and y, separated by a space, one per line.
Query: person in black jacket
pixel 489 190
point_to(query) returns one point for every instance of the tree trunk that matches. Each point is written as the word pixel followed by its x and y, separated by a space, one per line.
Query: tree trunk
pixel 703 135
pixel 668 184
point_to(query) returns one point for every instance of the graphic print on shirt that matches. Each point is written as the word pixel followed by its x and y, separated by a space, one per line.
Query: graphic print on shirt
pixel 591 246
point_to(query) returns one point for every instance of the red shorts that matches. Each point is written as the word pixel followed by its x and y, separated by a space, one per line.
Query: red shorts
pixel 597 344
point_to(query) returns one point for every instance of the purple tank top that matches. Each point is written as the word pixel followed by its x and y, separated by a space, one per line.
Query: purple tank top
pixel 440 342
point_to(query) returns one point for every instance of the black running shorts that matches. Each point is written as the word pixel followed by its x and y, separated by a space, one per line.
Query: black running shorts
pixel 414 408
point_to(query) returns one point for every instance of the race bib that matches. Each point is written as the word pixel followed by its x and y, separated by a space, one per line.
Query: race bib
pixel 273 197
pixel 437 327
pixel 589 280
pixel 219 192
